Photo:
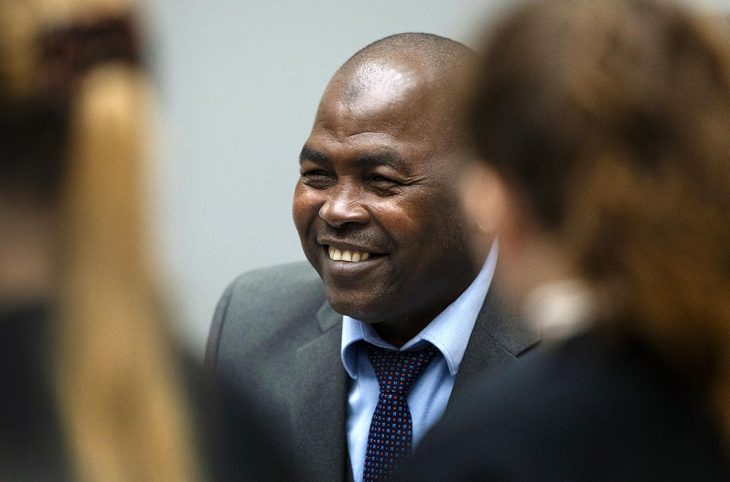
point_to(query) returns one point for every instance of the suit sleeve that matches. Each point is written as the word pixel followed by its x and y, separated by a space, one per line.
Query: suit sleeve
pixel 216 327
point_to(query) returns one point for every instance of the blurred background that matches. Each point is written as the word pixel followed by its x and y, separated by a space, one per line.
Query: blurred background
pixel 240 82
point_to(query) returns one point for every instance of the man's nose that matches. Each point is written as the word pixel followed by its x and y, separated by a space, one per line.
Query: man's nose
pixel 344 204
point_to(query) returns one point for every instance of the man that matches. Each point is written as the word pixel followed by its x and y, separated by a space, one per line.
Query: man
pixel 380 220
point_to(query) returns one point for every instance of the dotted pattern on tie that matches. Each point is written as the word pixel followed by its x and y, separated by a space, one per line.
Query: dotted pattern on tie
pixel 391 429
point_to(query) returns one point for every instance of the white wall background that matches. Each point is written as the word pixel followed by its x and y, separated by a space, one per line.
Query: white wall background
pixel 240 82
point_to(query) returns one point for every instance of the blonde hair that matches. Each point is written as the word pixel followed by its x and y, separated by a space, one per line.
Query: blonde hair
pixel 611 121
pixel 118 387
pixel 120 395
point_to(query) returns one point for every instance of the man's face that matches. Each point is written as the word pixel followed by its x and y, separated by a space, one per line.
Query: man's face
pixel 376 205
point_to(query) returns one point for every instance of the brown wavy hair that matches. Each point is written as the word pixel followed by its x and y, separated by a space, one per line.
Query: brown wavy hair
pixel 77 102
pixel 611 122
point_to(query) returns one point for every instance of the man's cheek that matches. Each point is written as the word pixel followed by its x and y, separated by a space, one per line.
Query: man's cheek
pixel 305 209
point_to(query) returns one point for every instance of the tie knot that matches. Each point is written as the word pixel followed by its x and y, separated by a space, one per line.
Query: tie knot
pixel 397 370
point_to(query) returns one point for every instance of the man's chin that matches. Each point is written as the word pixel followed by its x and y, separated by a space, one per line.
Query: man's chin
pixel 354 306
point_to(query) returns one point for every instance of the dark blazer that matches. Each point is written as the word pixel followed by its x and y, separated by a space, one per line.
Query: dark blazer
pixel 584 411
pixel 275 336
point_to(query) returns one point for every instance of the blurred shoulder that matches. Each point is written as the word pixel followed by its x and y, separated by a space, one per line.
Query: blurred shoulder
pixel 580 411
pixel 237 439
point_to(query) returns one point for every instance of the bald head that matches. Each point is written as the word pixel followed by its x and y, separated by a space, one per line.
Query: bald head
pixel 436 60
pixel 435 52
pixel 420 77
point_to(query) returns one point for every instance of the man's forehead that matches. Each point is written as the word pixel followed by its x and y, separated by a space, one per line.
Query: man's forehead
pixel 379 82
pixel 376 92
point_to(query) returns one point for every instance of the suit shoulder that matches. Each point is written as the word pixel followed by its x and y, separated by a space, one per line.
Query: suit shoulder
pixel 281 281
pixel 269 305
pixel 270 312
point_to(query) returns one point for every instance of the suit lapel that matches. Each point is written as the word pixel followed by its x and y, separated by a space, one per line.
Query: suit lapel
pixel 499 337
pixel 318 413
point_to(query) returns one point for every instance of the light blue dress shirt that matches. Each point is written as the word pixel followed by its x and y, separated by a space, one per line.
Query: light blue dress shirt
pixel 449 332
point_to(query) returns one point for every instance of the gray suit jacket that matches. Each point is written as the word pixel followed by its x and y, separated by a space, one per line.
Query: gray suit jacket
pixel 275 336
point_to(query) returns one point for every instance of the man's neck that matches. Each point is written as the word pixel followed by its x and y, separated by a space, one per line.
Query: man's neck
pixel 398 334
pixel 400 331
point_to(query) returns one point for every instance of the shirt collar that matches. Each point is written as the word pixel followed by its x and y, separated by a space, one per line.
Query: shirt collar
pixel 449 332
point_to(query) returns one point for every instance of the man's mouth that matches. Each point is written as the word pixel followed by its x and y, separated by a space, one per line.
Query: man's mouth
pixel 348 255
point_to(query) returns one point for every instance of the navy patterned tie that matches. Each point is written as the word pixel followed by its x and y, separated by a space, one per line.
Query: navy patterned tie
pixel 391 429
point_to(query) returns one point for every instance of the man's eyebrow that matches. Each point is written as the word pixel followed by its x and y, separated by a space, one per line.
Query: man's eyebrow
pixel 385 158
pixel 313 155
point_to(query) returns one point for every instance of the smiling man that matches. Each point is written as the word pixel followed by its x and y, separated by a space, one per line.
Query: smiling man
pixel 361 355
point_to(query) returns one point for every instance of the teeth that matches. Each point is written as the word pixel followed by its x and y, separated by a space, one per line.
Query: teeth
pixel 347 255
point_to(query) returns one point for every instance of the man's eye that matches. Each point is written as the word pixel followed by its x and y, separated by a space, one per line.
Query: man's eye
pixel 317 177
pixel 382 181
pixel 379 178
pixel 314 173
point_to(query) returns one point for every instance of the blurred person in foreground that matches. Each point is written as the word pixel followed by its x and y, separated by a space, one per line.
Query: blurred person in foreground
pixel 92 387
pixel 604 129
